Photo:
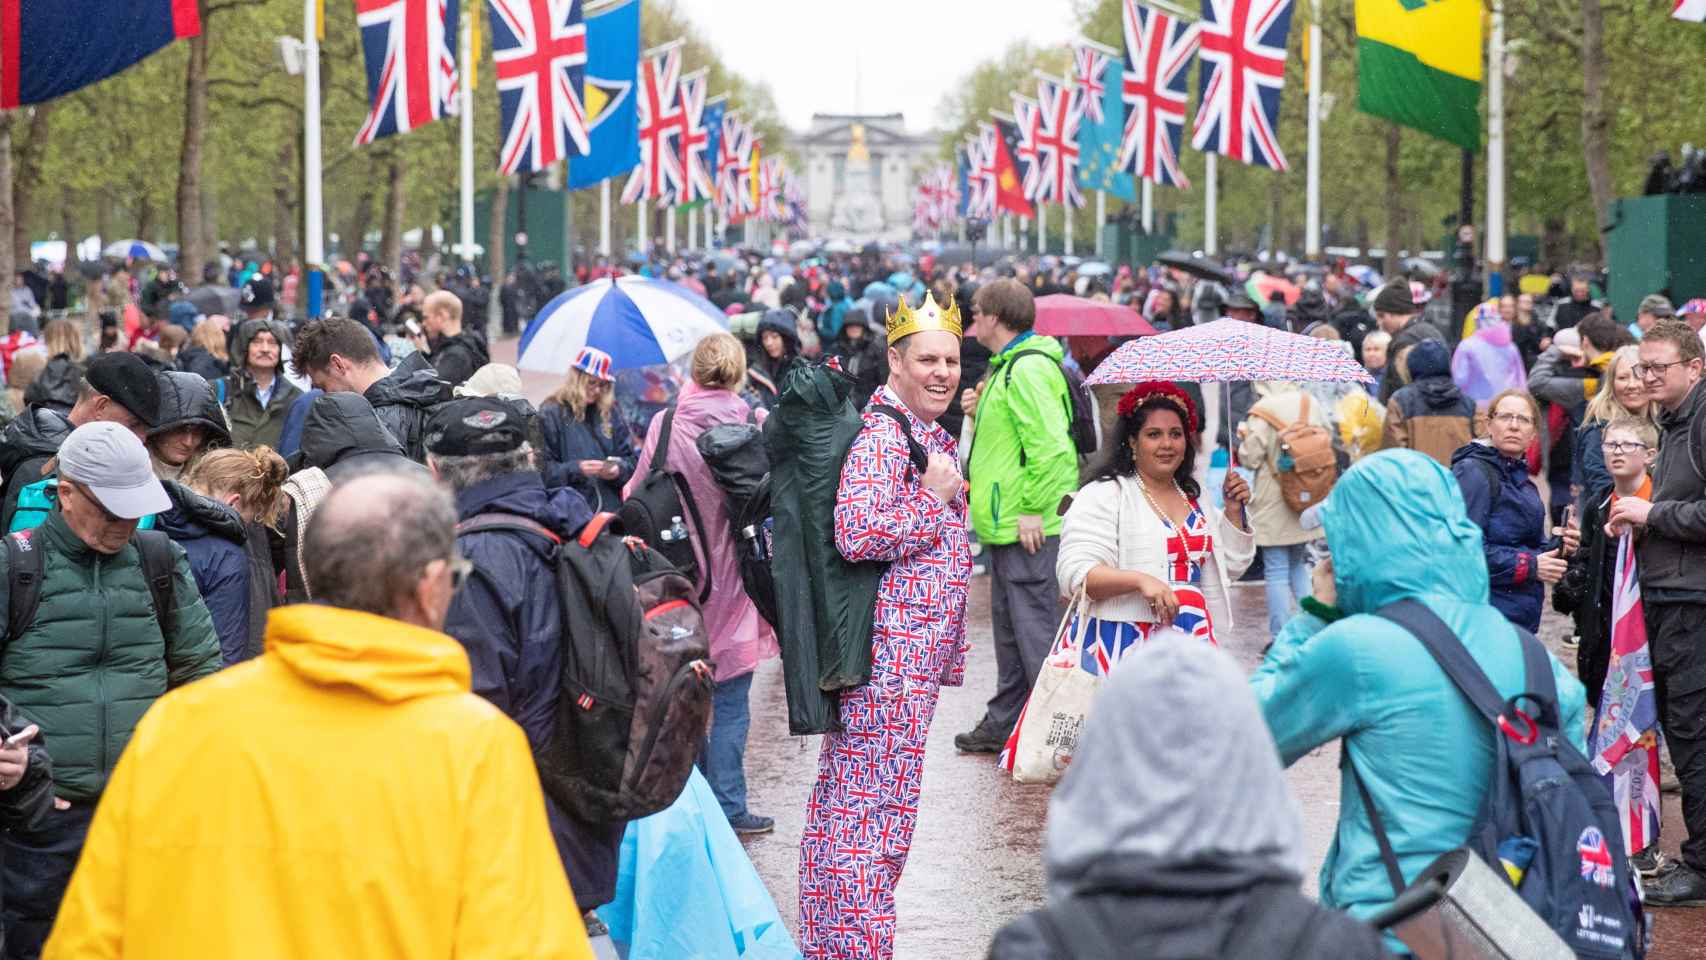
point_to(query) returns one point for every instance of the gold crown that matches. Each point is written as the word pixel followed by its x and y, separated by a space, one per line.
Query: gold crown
pixel 905 321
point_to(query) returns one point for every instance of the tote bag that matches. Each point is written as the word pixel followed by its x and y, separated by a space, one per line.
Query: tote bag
pixel 1046 735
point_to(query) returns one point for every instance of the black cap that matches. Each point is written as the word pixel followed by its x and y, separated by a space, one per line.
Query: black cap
pixel 257 291
pixel 129 381
pixel 1395 298
pixel 475 426
pixel 1239 300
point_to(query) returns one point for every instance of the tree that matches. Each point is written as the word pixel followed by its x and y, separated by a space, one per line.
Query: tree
pixel 190 253
pixel 1596 122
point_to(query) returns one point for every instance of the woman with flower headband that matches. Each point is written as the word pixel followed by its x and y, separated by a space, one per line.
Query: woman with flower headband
pixel 1141 544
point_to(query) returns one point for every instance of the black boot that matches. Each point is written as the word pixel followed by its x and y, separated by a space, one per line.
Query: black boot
pixel 983 738
pixel 1681 887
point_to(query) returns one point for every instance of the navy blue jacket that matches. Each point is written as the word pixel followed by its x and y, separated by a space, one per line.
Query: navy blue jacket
pixel 568 441
pixel 1512 521
pixel 510 620
pixel 215 539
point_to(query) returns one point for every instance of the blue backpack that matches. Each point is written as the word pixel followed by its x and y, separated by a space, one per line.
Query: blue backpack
pixel 37 500
pixel 1548 822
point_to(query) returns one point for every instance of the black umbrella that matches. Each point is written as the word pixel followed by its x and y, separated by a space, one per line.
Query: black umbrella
pixel 1195 266
pixel 1419 267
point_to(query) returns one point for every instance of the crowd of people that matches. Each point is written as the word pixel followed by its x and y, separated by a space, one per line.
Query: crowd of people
pixel 211 596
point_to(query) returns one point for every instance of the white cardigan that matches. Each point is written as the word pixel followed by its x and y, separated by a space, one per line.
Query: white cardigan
pixel 1111 524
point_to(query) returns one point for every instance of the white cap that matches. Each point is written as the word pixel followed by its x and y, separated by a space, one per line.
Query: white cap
pixel 114 465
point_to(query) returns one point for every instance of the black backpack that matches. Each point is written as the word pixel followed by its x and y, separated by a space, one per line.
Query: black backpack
pixel 25 569
pixel 636 683
pixel 661 512
pixel 1545 804
pixel 1081 408
pixel 740 464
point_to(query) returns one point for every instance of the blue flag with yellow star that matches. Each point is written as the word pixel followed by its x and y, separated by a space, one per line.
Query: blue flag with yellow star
pixel 1099 143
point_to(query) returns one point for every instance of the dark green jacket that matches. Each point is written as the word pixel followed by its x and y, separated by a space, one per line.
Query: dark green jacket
pixel 93 660
pixel 252 424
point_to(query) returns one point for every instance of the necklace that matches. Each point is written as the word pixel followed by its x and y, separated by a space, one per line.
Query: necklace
pixel 1194 558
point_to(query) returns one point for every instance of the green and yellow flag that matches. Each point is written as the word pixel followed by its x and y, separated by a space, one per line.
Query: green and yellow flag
pixel 1419 64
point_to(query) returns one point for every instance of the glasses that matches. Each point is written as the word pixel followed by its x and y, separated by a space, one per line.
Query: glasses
pixel 107 515
pixel 1622 446
pixel 1655 370
pixel 460 569
pixel 1514 419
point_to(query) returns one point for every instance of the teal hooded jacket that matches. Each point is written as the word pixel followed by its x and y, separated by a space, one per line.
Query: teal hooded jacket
pixel 1396 527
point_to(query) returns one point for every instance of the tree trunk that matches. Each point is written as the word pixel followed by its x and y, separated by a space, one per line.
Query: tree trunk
pixel 391 241
pixel 1554 241
pixel 104 216
pixel 8 266
pixel 497 235
pixel 1394 203
pixel 26 180
pixel 68 228
pixel 354 234
pixel 1596 119
pixel 191 250
pixel 144 217
pixel 209 228
pixel 284 211
pixel 1276 201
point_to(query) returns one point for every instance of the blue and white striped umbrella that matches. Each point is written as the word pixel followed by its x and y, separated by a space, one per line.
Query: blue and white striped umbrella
pixel 134 250
pixel 637 320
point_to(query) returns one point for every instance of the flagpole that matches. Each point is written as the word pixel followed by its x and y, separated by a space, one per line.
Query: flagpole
pixel 1042 227
pixel 1211 197
pixel 669 229
pixel 467 152
pixel 1312 202
pixel 640 211
pixel 1101 218
pixel 604 217
pixel 313 226
pixel 1496 153
pixel 692 226
pixel 1068 207
pixel 1148 206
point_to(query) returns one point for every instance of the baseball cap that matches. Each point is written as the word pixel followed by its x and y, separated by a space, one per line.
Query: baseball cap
pixel 475 426
pixel 114 465
pixel 129 380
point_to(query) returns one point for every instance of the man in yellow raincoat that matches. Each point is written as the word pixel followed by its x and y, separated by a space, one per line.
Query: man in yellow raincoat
pixel 342 795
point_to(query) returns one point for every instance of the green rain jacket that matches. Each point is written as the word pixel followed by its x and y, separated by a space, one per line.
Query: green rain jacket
pixel 1397 529
pixel 1022 458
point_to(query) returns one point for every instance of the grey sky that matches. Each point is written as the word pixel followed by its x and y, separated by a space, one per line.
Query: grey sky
pixel 908 53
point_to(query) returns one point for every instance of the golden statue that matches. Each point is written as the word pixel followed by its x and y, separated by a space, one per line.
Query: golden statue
pixel 857 151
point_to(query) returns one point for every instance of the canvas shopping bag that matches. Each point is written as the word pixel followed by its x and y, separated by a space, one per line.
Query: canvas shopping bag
pixel 1043 741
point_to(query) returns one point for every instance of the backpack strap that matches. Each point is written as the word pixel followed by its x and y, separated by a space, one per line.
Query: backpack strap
pixel 660 456
pixel 1007 381
pixel 1073 929
pixel 1268 417
pixel 915 450
pixel 24 571
pixel 486 522
pixel 1303 408
pixel 1377 824
pixel 159 566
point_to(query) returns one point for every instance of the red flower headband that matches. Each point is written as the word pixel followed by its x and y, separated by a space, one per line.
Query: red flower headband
pixel 1169 392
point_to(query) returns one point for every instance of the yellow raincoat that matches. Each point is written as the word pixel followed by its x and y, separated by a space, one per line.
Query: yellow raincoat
pixel 342 795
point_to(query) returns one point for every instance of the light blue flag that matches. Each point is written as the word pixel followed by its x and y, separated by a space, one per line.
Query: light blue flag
pixel 1099 143
pixel 612 66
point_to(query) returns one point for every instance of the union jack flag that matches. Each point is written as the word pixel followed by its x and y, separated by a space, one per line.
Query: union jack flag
pixel 1624 740
pixel 1057 118
pixel 734 157
pixel 659 176
pixel 980 154
pixel 539 52
pixel 409 47
pixel 1243 72
pixel 1088 65
pixel 938 199
pixel 695 139
pixel 1158 49
pixel 1026 121
pixel 772 179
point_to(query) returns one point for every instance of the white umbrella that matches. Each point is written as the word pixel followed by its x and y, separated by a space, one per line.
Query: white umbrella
pixel 638 321
pixel 134 250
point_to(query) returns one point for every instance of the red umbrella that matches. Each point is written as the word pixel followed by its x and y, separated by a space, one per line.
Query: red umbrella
pixel 1062 314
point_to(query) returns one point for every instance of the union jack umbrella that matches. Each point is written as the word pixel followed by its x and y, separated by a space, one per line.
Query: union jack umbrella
pixel 1058 115
pixel 1088 65
pixel 1158 50
pixel 1229 350
pixel 1243 71
pixel 695 139
pixel 659 175
pixel 734 154
pixel 539 52
pixel 1027 155
pixel 409 49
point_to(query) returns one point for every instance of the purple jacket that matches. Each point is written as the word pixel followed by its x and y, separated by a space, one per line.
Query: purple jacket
pixel 740 639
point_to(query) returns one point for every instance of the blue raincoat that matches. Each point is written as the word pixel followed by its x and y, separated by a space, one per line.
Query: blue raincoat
pixel 1396 527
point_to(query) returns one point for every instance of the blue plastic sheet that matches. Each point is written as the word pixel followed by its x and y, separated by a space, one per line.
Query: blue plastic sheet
pixel 686 890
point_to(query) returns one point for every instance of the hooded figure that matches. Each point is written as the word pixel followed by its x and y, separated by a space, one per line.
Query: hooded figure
pixel 1429 414
pixel 186 400
pixel 256 420
pixel 56 386
pixel 765 372
pixel 1397 530
pixel 864 357
pixel 215 540
pixel 404 400
pixel 1488 362
pixel 1147 846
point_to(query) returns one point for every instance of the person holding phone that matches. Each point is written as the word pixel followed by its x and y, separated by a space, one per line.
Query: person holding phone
pixel 26 772
pixel 587 445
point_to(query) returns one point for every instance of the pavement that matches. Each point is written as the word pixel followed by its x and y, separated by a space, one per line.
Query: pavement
pixel 976 858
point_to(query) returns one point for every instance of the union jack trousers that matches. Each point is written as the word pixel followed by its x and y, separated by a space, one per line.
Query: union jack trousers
pixel 864 806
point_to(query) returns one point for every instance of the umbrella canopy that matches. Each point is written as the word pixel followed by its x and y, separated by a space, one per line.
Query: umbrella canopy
pixel 1262 286
pixel 134 250
pixel 1364 274
pixel 638 321
pixel 1419 267
pixel 1228 350
pixel 1095 268
pixel 1195 266
pixel 1064 315
pixel 839 245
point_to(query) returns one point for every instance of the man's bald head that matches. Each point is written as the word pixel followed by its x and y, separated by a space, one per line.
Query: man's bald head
pixel 442 313
pixel 369 542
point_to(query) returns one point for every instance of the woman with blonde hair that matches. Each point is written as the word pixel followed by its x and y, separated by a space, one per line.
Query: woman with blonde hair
pixel 1621 394
pixel 249 485
pixel 27 365
pixel 206 353
pixel 62 338
pixel 587 445
pixel 740 638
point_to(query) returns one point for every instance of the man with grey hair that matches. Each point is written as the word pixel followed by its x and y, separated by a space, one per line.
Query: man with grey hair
pixel 509 615
pixel 420 832
pixel 1654 307
pixel 116 621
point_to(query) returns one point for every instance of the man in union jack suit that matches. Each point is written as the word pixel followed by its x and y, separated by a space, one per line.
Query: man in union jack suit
pixel 862 812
